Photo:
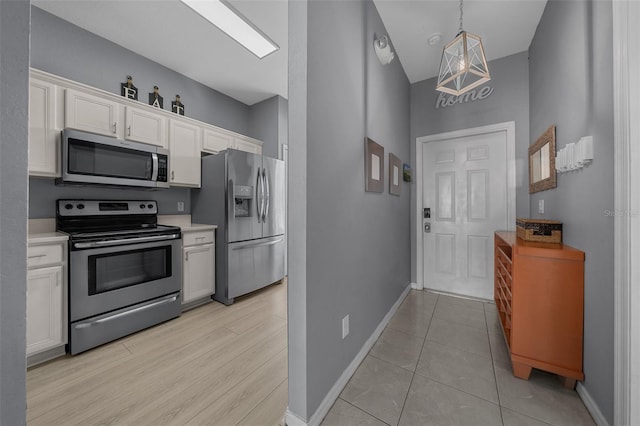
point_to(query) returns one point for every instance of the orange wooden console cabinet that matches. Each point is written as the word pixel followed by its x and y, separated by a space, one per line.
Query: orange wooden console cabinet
pixel 539 294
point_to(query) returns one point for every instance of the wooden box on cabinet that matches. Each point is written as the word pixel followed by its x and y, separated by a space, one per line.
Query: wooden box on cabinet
pixel 539 295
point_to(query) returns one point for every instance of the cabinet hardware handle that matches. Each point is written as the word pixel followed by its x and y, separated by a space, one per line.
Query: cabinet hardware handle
pixel 129 131
pixel 115 127
pixel 36 256
pixel 172 175
pixel 186 257
pixel 199 238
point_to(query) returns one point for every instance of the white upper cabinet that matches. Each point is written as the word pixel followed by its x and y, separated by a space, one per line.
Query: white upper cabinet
pixel 56 103
pixel 83 111
pixel 43 136
pixel 145 126
pixel 245 143
pixel 185 144
pixel 215 140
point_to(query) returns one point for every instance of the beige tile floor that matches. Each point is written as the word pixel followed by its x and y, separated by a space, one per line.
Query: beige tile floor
pixel 443 361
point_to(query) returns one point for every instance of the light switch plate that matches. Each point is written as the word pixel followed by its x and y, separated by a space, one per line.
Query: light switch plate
pixel 541 206
pixel 345 326
pixel 180 206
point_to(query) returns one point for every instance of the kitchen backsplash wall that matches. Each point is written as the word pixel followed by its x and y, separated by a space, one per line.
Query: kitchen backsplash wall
pixel 44 192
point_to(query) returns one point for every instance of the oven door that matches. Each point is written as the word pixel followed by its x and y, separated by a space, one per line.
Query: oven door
pixel 109 278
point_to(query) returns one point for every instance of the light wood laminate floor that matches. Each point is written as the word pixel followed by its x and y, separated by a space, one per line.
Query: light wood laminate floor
pixel 215 365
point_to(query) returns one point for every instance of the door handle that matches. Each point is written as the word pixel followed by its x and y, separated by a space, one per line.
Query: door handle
pixel 259 195
pixel 427 227
pixel 266 196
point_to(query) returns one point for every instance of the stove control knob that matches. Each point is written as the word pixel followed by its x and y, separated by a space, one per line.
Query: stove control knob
pixel 142 206
pixel 80 206
pixel 150 206
pixel 68 206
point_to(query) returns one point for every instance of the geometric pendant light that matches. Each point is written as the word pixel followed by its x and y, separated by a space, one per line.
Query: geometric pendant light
pixel 463 65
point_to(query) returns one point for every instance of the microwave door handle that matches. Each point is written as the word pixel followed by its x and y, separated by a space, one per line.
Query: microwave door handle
pixel 154 167
pixel 266 196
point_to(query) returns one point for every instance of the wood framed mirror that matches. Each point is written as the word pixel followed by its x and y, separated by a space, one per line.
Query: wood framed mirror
pixel 542 162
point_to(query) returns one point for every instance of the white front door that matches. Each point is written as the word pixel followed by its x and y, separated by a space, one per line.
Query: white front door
pixel 464 188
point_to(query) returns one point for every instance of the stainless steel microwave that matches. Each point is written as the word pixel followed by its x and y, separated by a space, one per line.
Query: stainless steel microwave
pixel 88 158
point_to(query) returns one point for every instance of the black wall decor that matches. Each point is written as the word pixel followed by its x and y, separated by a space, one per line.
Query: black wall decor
pixel 177 106
pixel 128 90
pixel 155 100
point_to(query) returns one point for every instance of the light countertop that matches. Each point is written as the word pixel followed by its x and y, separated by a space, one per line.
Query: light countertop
pixel 46 237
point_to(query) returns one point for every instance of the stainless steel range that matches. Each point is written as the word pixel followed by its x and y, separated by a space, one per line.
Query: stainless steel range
pixel 124 269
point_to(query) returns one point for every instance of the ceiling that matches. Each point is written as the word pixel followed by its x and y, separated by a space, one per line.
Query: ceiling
pixel 200 51
pixel 506 27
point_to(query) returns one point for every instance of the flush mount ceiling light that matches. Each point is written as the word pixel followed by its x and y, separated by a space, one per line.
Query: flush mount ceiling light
pixel 463 65
pixel 221 14
pixel 383 50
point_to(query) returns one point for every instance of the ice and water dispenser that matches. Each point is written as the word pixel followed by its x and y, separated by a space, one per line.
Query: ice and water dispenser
pixel 242 195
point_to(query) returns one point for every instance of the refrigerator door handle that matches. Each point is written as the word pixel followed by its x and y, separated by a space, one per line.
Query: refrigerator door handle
pixel 265 211
pixel 259 197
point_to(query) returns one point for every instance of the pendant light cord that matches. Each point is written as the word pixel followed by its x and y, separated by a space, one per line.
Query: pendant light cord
pixel 460 30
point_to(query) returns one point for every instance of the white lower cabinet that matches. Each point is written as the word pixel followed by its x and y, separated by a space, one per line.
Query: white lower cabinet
pixel 46 297
pixel 198 268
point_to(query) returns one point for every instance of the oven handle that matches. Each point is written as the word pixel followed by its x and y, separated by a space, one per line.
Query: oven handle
pixel 107 243
pixel 169 299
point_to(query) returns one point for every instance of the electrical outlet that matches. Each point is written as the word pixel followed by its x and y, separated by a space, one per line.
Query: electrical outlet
pixel 180 206
pixel 345 326
pixel 541 206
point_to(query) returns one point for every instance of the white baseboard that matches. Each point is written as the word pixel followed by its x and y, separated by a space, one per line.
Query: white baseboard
pixel 333 394
pixel 415 286
pixel 591 405
pixel 291 419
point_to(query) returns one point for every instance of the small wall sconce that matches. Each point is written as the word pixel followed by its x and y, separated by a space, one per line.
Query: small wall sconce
pixel 575 156
pixel 383 49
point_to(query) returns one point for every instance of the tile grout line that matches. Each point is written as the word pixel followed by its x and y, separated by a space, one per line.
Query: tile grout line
pixel 419 356
pixel 360 409
pixel 493 366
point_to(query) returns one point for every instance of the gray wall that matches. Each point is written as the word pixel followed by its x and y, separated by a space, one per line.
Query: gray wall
pixel 14 74
pixel 357 250
pixel 265 124
pixel 508 102
pixel 571 86
pixel 66 50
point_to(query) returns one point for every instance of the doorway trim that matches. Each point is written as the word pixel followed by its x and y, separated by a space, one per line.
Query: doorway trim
pixel 510 128
pixel 626 103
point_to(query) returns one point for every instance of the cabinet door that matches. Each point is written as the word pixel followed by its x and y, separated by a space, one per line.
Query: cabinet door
pixel 244 145
pixel 215 141
pixel 43 152
pixel 145 126
pixel 198 269
pixel 45 314
pixel 91 113
pixel 184 147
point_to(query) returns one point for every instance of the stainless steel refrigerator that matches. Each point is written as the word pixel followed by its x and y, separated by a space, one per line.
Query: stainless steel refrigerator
pixel 244 194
